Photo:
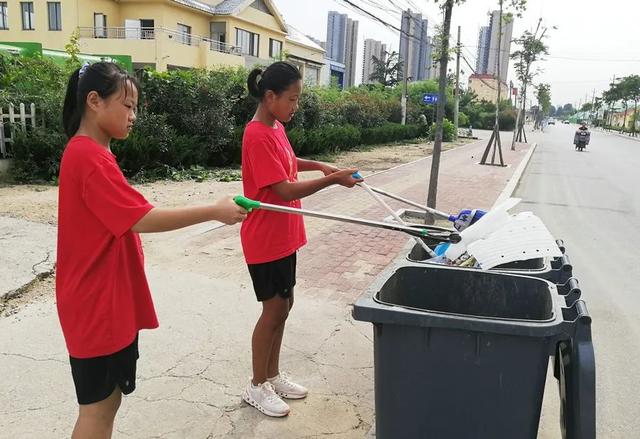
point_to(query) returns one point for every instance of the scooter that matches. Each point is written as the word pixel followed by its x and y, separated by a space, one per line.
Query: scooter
pixel 581 139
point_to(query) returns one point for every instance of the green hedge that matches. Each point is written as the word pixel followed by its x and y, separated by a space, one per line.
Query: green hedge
pixel 448 131
pixel 195 118
pixel 391 132
pixel 347 137
pixel 36 155
pixel 326 139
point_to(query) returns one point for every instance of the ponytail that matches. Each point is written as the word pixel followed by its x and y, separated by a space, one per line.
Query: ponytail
pixel 253 83
pixel 70 113
pixel 277 78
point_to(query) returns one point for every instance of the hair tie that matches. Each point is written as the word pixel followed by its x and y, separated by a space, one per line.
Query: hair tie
pixel 83 69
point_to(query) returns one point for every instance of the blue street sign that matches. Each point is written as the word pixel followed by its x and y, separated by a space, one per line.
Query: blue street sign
pixel 430 98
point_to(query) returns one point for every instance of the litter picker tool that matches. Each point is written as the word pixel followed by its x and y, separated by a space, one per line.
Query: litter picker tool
pixel 461 221
pixel 393 213
pixel 433 232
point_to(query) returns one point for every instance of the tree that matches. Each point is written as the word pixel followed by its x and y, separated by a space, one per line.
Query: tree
pixel 388 70
pixel 619 91
pixel 543 94
pixel 597 105
pixel 467 98
pixel 532 48
pixel 494 141
pixel 611 97
pixel 73 49
pixel 442 51
pixel 630 91
pixel 442 48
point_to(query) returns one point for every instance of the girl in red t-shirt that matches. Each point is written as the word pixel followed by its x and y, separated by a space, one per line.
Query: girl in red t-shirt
pixel 102 294
pixel 270 239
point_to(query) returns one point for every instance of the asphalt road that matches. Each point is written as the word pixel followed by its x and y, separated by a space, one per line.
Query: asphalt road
pixel 591 200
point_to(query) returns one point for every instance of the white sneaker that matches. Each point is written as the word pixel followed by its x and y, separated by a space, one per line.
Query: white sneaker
pixel 264 398
pixel 287 388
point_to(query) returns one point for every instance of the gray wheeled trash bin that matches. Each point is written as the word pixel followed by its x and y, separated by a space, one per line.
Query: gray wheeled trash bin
pixel 462 353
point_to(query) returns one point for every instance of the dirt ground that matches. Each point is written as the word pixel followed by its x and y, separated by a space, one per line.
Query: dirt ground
pixel 38 203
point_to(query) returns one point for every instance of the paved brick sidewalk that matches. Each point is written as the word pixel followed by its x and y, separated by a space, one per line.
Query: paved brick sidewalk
pixel 341 259
pixel 345 257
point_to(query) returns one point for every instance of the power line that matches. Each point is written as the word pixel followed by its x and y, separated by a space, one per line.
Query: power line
pixel 410 4
pixel 491 86
pixel 570 58
pixel 370 15
pixel 586 81
pixel 379 7
pixel 593 59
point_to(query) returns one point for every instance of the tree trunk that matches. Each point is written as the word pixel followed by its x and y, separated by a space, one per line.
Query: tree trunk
pixel 437 144
pixel 635 118
pixel 495 137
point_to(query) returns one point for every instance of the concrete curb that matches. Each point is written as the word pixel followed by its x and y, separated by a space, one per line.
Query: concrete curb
pixel 623 136
pixel 510 188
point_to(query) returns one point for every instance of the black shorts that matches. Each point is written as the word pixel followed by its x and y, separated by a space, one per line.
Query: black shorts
pixel 96 378
pixel 275 277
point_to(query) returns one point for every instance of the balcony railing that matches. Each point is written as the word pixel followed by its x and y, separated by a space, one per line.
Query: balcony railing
pixel 149 33
pixel 119 33
pixel 217 46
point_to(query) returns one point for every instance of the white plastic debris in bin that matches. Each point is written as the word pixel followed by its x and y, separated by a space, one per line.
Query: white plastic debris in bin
pixel 524 236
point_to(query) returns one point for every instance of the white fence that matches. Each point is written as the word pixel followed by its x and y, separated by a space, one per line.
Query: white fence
pixel 12 120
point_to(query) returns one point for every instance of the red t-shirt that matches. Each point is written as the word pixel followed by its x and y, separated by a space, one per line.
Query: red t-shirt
pixel 102 293
pixel 267 158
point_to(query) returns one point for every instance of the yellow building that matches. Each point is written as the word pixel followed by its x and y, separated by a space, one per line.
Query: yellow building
pixel 165 34
pixel 307 55
pixel 486 87
pixel 618 119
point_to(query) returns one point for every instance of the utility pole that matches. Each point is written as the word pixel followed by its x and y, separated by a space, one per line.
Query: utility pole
pixel 405 68
pixel 456 92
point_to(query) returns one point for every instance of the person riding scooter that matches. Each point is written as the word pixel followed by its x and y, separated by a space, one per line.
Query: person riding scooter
pixel 582 137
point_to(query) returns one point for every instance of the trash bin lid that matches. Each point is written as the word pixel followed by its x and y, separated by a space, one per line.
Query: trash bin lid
pixel 432 295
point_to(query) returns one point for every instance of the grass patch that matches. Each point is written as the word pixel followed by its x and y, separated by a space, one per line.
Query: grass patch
pixel 193 173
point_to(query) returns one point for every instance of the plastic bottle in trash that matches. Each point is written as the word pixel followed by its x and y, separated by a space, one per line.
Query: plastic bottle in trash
pixel 466 218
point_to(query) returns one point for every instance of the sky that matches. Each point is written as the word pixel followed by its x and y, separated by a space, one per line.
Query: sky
pixel 594 40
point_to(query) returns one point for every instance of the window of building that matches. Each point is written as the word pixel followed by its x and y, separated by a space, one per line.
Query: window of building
pixel 55 15
pixel 4 18
pixel 275 48
pixel 218 35
pixel 147 27
pixel 27 16
pixel 184 34
pixel 248 42
pixel 99 25
pixel 311 75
